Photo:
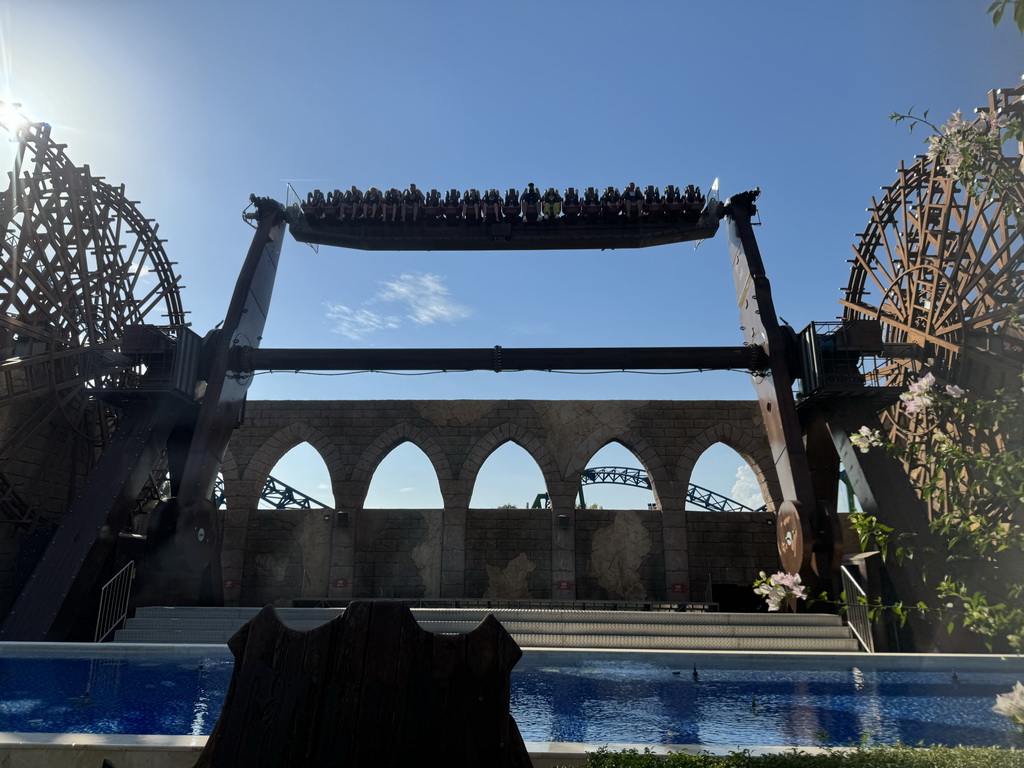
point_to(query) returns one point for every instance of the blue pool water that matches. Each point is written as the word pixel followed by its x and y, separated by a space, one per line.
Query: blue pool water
pixel 594 698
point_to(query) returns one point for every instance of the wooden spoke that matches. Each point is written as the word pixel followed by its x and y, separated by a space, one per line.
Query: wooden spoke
pixel 944 271
pixel 78 264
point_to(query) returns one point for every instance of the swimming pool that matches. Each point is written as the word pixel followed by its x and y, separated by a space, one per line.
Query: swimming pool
pixel 563 696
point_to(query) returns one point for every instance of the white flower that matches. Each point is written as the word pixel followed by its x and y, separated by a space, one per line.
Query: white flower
pixel 922 385
pixel 1011 704
pixel 865 438
pixel 954 391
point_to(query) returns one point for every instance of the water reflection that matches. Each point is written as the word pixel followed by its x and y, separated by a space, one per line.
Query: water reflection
pixel 600 700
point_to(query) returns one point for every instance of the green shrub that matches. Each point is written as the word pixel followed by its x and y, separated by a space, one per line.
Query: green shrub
pixel 898 756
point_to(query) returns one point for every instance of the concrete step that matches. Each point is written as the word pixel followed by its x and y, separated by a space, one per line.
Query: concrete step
pixel 288 615
pixel 532 627
pixel 560 628
pixel 571 640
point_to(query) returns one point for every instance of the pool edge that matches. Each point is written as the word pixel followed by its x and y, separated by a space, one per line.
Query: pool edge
pixel 71 750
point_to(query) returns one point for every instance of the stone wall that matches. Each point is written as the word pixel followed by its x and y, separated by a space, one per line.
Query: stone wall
pixel 729 547
pixel 508 553
pixel 619 555
pixel 288 554
pixel 448 552
pixel 398 553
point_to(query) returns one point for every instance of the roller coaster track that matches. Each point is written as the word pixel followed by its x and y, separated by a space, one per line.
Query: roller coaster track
pixel 638 478
pixel 279 495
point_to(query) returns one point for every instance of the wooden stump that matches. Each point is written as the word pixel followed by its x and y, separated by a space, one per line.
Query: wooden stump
pixel 370 688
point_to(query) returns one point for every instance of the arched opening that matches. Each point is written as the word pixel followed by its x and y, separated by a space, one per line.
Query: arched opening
pixel 509 479
pixel 405 479
pixel 724 472
pixel 732 538
pixel 614 489
pixel 301 472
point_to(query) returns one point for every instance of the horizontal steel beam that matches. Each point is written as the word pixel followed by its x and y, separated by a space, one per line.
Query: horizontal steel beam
pixel 750 358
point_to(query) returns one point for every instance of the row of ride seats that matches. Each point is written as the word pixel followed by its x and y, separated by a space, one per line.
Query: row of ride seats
pixel 411 205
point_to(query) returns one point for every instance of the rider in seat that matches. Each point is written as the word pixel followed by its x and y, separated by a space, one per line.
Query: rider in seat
pixel 492 205
pixel 372 204
pixel 471 205
pixel 512 208
pixel 632 201
pixel 412 200
pixel 552 204
pixel 432 206
pixel 452 209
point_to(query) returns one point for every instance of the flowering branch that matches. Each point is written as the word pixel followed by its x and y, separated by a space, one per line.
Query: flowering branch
pixel 972 153
pixel 976 493
pixel 780 589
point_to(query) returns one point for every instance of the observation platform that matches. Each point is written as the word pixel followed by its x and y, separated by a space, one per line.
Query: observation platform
pixel 437 233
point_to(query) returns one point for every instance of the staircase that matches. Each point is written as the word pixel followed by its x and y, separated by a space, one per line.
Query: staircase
pixel 536 628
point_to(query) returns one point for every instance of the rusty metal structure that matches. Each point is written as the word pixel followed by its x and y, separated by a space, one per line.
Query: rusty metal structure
pixel 96 354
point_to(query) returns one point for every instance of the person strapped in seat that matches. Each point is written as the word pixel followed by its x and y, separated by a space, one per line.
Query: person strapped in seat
pixel 552 204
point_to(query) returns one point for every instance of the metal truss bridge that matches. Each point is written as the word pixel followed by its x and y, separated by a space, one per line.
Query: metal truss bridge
pixel 695 494
pixel 279 495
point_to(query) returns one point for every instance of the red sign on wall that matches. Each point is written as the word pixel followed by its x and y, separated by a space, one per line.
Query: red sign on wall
pixel 680 587
pixel 339 583
pixel 565 585
pixel 230 583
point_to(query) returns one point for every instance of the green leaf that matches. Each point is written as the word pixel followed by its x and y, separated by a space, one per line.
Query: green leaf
pixel 949 628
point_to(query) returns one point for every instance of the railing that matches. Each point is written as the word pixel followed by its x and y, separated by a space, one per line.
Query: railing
pixel 857 613
pixel 114 602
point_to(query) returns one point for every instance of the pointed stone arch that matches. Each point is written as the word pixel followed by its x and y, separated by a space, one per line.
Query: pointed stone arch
pixel 270 452
pixel 504 433
pixel 752 447
pixel 633 441
pixel 391 438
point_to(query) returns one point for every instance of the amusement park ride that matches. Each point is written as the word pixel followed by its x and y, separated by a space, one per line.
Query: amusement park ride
pixel 935 278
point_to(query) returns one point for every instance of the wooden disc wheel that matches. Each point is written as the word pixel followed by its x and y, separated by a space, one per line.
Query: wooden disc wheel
pixel 79 263
pixel 942 269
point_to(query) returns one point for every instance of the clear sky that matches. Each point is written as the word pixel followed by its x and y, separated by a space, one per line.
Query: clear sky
pixel 194 105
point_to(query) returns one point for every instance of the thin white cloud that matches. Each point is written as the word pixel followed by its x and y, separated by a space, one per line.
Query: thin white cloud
pixel 357 324
pixel 746 490
pixel 426 298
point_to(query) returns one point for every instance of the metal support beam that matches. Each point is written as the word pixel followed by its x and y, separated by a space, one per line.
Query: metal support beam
pixel 749 358
pixel 807 530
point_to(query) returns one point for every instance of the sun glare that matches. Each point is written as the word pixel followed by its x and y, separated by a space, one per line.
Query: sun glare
pixel 11 117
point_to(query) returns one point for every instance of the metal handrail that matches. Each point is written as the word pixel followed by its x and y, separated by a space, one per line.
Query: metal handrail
pixel 114 602
pixel 857 613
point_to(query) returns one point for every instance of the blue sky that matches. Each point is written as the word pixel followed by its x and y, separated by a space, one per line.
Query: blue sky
pixel 194 105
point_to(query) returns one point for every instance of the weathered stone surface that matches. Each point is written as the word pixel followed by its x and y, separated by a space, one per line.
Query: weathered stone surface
pixel 510 582
pixel 616 554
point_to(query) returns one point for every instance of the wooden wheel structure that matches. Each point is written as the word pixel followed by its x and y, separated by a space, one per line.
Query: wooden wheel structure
pixel 79 264
pixel 943 271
